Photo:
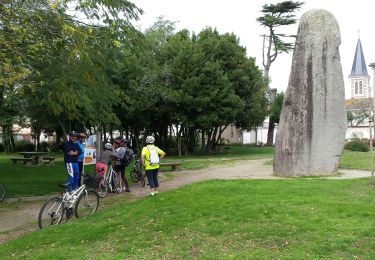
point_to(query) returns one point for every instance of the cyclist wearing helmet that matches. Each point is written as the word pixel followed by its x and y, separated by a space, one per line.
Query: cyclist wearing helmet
pixel 71 153
pixel 105 158
pixel 120 165
pixel 80 142
pixel 150 159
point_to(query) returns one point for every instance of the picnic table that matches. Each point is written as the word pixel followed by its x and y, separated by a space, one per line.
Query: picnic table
pixel 37 157
pixel 174 165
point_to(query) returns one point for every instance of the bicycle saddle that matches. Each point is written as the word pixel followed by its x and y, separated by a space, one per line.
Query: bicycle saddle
pixel 65 185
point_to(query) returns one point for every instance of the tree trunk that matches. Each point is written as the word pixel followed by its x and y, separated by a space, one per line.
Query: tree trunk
pixel 179 140
pixel 111 133
pixel 211 141
pixel 208 141
pixel 104 133
pixel 170 134
pixel 186 140
pixel 37 140
pixel 11 138
pixel 271 125
pixel 6 139
pixel 203 141
pixel 271 128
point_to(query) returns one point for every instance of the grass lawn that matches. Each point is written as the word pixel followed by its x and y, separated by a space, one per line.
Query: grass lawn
pixel 252 219
pixel 356 160
pixel 23 180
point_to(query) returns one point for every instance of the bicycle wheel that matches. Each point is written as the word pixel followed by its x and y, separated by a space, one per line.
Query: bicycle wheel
pixel 51 212
pixel 86 204
pixel 2 192
pixel 116 183
pixel 142 178
pixel 134 176
pixel 102 189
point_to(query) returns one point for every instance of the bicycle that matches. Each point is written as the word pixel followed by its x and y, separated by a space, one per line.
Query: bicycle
pixel 137 173
pixel 2 192
pixel 109 182
pixel 80 203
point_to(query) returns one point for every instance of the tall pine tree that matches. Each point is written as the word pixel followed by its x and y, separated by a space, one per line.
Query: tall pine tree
pixel 274 16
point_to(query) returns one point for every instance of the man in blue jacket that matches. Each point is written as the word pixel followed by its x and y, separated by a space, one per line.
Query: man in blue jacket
pixel 81 157
pixel 71 153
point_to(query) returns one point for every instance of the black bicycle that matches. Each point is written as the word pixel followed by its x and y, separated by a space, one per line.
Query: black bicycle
pixel 137 174
pixel 2 192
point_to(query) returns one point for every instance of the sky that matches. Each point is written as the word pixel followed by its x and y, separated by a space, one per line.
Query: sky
pixel 239 17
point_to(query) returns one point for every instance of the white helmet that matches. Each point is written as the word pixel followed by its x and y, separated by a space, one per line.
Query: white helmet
pixel 150 139
pixel 108 146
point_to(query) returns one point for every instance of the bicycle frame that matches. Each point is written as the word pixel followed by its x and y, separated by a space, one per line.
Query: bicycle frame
pixel 137 163
pixel 71 198
pixel 68 204
pixel 108 178
pixel 137 173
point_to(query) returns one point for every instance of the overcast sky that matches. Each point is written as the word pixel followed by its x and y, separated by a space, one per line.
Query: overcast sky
pixel 239 17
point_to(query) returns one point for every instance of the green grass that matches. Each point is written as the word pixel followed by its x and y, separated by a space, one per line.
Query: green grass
pixel 252 219
pixel 356 160
pixel 24 180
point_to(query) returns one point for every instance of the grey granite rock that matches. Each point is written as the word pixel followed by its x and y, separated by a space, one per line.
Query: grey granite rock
pixel 311 133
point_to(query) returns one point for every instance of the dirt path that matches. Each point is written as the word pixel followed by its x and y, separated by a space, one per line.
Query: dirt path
pixel 18 218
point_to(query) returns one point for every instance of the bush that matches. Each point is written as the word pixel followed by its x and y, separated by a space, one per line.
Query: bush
pixel 357 145
pixel 49 147
pixel 367 141
pixel 23 146
pixel 1 148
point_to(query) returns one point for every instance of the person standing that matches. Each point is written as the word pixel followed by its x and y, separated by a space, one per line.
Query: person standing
pixel 81 157
pixel 105 158
pixel 125 154
pixel 71 153
pixel 150 158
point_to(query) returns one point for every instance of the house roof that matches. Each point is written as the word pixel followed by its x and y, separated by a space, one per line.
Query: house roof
pixel 358 103
pixel 359 67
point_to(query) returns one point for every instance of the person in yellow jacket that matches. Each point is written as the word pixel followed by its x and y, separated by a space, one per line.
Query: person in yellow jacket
pixel 150 158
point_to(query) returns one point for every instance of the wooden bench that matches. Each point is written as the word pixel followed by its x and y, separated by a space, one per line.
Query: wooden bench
pixel 49 160
pixel 174 165
pixel 24 160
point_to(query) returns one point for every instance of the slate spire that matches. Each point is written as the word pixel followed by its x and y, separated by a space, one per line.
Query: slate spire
pixel 359 67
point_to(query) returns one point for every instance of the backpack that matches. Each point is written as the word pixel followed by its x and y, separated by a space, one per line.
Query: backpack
pixel 153 158
pixel 121 153
pixel 128 157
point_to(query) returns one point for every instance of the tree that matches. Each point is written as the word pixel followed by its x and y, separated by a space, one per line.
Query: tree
pixel 356 118
pixel 276 107
pixel 214 85
pixel 59 65
pixel 274 16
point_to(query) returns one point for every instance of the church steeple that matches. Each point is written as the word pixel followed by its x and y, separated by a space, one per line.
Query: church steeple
pixel 359 78
pixel 359 67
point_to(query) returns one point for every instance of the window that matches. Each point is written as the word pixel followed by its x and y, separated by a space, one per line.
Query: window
pixel 360 88
pixel 356 88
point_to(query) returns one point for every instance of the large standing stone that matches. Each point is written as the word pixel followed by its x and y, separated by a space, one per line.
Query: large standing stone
pixel 311 133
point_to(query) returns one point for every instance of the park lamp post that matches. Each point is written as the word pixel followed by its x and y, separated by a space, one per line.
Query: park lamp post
pixel 371 117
